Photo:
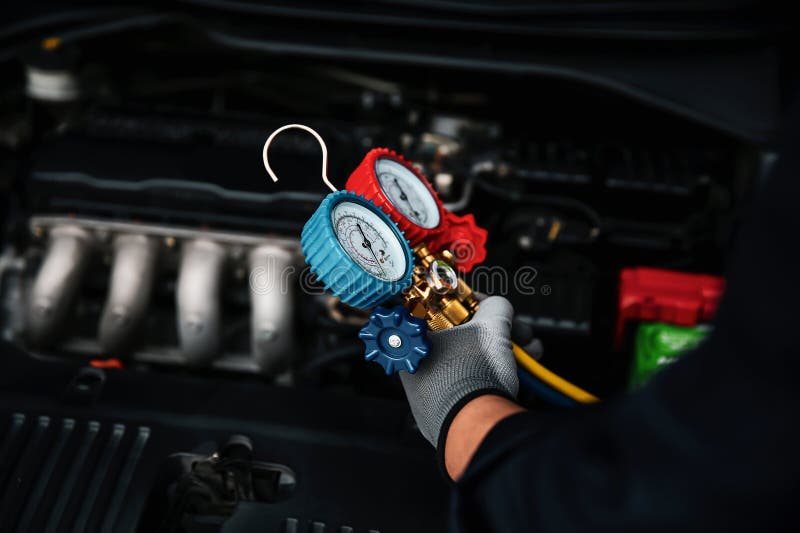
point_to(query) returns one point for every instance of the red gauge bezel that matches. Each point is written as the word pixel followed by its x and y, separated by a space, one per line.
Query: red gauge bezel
pixel 364 181
pixel 453 231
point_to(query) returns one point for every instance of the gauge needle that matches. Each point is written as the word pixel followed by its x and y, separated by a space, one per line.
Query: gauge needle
pixel 404 197
pixel 367 244
pixel 402 192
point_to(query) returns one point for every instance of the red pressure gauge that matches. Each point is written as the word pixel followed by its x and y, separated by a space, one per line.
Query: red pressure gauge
pixel 400 190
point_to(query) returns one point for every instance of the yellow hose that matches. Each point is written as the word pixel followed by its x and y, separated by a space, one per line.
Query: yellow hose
pixel 556 382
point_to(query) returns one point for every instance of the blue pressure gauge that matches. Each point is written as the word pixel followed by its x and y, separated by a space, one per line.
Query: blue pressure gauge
pixel 356 250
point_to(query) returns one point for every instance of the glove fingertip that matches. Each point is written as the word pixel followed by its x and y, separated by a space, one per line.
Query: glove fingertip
pixel 495 307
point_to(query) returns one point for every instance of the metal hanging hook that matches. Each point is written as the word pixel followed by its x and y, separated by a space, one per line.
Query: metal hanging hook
pixel 321 145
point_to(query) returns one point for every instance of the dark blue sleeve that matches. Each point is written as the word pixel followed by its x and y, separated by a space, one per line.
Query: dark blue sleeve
pixel 712 444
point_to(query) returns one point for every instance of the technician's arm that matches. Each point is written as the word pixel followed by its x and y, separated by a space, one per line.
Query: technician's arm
pixel 470 427
pixel 711 445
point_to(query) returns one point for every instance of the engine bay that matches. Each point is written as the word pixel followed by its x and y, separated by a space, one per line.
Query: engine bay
pixel 151 266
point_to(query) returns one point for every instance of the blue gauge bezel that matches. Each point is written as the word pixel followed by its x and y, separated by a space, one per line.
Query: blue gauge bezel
pixel 334 267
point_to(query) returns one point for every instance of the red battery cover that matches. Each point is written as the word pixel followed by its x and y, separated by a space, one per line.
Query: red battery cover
pixel 364 182
pixel 460 234
pixel 656 295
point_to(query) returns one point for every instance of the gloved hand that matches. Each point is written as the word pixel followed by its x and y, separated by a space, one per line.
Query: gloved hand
pixel 465 362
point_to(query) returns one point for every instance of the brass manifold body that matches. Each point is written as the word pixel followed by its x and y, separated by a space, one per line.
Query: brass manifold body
pixel 437 294
pixel 444 300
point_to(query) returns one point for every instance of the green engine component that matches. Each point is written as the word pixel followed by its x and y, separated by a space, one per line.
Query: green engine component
pixel 658 345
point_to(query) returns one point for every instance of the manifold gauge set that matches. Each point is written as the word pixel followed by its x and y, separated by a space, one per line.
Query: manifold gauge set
pixel 388 235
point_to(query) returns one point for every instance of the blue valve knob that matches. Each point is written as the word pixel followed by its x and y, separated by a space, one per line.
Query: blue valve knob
pixel 395 339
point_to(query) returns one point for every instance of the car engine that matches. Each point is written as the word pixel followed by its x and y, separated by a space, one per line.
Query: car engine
pixel 172 363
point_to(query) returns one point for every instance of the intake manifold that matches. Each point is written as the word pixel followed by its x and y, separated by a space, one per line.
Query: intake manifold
pixel 57 283
pixel 198 300
pixel 132 277
pixel 272 300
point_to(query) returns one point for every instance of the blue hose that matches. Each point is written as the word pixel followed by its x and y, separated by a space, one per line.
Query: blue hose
pixel 544 391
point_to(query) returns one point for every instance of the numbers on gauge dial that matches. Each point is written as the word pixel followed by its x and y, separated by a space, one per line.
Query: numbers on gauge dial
pixel 407 193
pixel 369 241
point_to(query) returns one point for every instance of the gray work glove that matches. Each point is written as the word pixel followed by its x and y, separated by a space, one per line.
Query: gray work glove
pixel 464 362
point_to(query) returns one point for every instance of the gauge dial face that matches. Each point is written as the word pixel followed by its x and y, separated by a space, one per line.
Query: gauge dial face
pixel 407 193
pixel 369 241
